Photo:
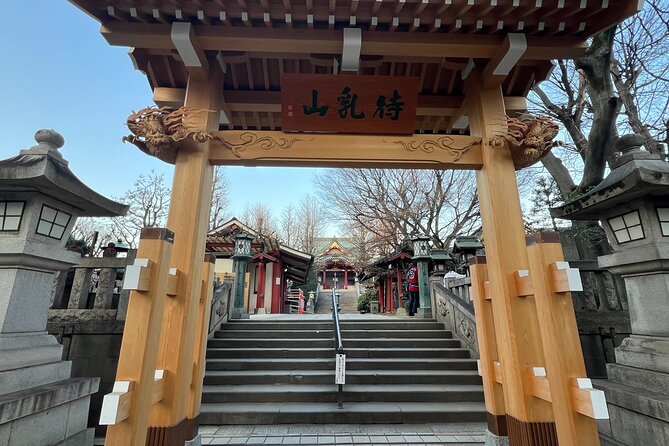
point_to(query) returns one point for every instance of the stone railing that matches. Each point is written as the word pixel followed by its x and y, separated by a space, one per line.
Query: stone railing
pixel 601 313
pixel 453 307
pixel 220 303
pixel 91 291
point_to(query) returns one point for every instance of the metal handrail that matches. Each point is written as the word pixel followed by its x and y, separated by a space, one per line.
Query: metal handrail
pixel 339 345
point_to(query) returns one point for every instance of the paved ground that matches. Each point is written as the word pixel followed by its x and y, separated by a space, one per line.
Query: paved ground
pixel 469 434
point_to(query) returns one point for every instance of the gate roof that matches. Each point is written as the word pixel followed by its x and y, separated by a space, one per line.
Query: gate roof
pixel 438 41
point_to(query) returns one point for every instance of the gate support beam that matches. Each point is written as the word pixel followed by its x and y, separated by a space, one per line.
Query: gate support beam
pixel 517 332
pixel 172 419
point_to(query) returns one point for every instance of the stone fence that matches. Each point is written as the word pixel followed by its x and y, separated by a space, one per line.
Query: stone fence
pixel 601 313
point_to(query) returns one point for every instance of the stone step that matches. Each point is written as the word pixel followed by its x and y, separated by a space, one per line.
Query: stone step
pixel 329 334
pixel 327 393
pixel 234 377
pixel 326 413
pixel 351 364
pixel 362 324
pixel 329 353
pixel 329 343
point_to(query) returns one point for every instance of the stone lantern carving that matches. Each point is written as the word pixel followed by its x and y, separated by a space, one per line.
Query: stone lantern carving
pixel 632 204
pixel 40 201
pixel 241 256
pixel 421 255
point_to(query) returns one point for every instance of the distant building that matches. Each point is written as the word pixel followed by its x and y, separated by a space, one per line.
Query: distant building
pixel 271 268
pixel 335 259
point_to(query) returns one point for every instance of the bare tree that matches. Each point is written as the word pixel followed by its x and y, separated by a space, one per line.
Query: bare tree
pixel 149 200
pixel 84 231
pixel 310 223
pixel 288 225
pixel 621 81
pixel 394 205
pixel 220 200
pixel 259 217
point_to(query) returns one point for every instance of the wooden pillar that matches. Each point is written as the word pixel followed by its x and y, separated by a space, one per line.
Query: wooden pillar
pixel 382 300
pixel 276 289
pixel 188 218
pixel 389 295
pixel 204 313
pixel 345 278
pixel 516 326
pixel 136 369
pixel 489 358
pixel 570 391
pixel 399 284
pixel 260 300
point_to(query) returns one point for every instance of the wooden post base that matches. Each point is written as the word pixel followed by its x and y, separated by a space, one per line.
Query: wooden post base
pixel 497 424
pixel 176 435
pixel 524 433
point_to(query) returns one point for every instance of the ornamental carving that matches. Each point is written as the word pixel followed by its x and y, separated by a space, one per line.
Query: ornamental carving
pixel 530 138
pixel 442 306
pixel 250 140
pixel 467 329
pixel 157 130
pixel 430 145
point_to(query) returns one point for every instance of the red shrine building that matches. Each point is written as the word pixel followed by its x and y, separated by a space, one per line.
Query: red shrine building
pixel 335 263
pixel 273 268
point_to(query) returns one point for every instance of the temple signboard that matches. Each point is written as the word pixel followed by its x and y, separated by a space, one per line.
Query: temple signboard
pixel 348 104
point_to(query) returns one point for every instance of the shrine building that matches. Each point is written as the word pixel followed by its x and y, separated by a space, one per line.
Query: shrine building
pixel 335 263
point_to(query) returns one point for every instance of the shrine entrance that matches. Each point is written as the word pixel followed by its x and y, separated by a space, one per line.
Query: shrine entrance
pixel 377 84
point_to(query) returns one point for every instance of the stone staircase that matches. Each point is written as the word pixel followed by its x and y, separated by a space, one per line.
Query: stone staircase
pixel 282 372
pixel 348 302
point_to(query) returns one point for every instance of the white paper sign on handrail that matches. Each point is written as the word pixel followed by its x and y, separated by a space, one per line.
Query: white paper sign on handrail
pixel 340 371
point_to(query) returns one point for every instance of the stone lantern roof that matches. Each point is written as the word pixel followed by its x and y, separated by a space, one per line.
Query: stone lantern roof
pixel 43 169
pixel 636 173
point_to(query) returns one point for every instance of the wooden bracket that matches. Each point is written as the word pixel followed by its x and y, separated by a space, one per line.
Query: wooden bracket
pixel 158 385
pixel 585 400
pixel 564 278
pixel 487 293
pixel 138 275
pixel 173 282
pixel 116 405
pixel 523 281
pixel 498 371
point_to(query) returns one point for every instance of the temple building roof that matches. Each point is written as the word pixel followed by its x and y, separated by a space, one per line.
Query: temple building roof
pixel 221 243
pixel 439 42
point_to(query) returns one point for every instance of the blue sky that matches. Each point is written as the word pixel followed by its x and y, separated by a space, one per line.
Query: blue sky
pixel 60 73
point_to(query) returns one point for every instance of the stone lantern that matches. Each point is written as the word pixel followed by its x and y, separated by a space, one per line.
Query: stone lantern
pixel 632 204
pixel 421 255
pixel 40 201
pixel 241 256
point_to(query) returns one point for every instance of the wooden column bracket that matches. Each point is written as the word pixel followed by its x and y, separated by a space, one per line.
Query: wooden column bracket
pixel 138 275
pixel 487 293
pixel 585 399
pixel 173 282
pixel 523 282
pixel 116 405
pixel 564 278
pixel 497 366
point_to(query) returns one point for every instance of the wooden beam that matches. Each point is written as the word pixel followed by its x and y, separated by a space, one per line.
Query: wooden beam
pixel 308 41
pixel 191 53
pixel 247 148
pixel 501 64
pixel 270 102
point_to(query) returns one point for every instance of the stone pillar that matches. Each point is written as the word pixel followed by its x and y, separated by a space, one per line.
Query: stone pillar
pixel 242 256
pixel 425 310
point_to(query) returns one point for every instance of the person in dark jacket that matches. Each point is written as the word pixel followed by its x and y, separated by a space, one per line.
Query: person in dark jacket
pixel 412 288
